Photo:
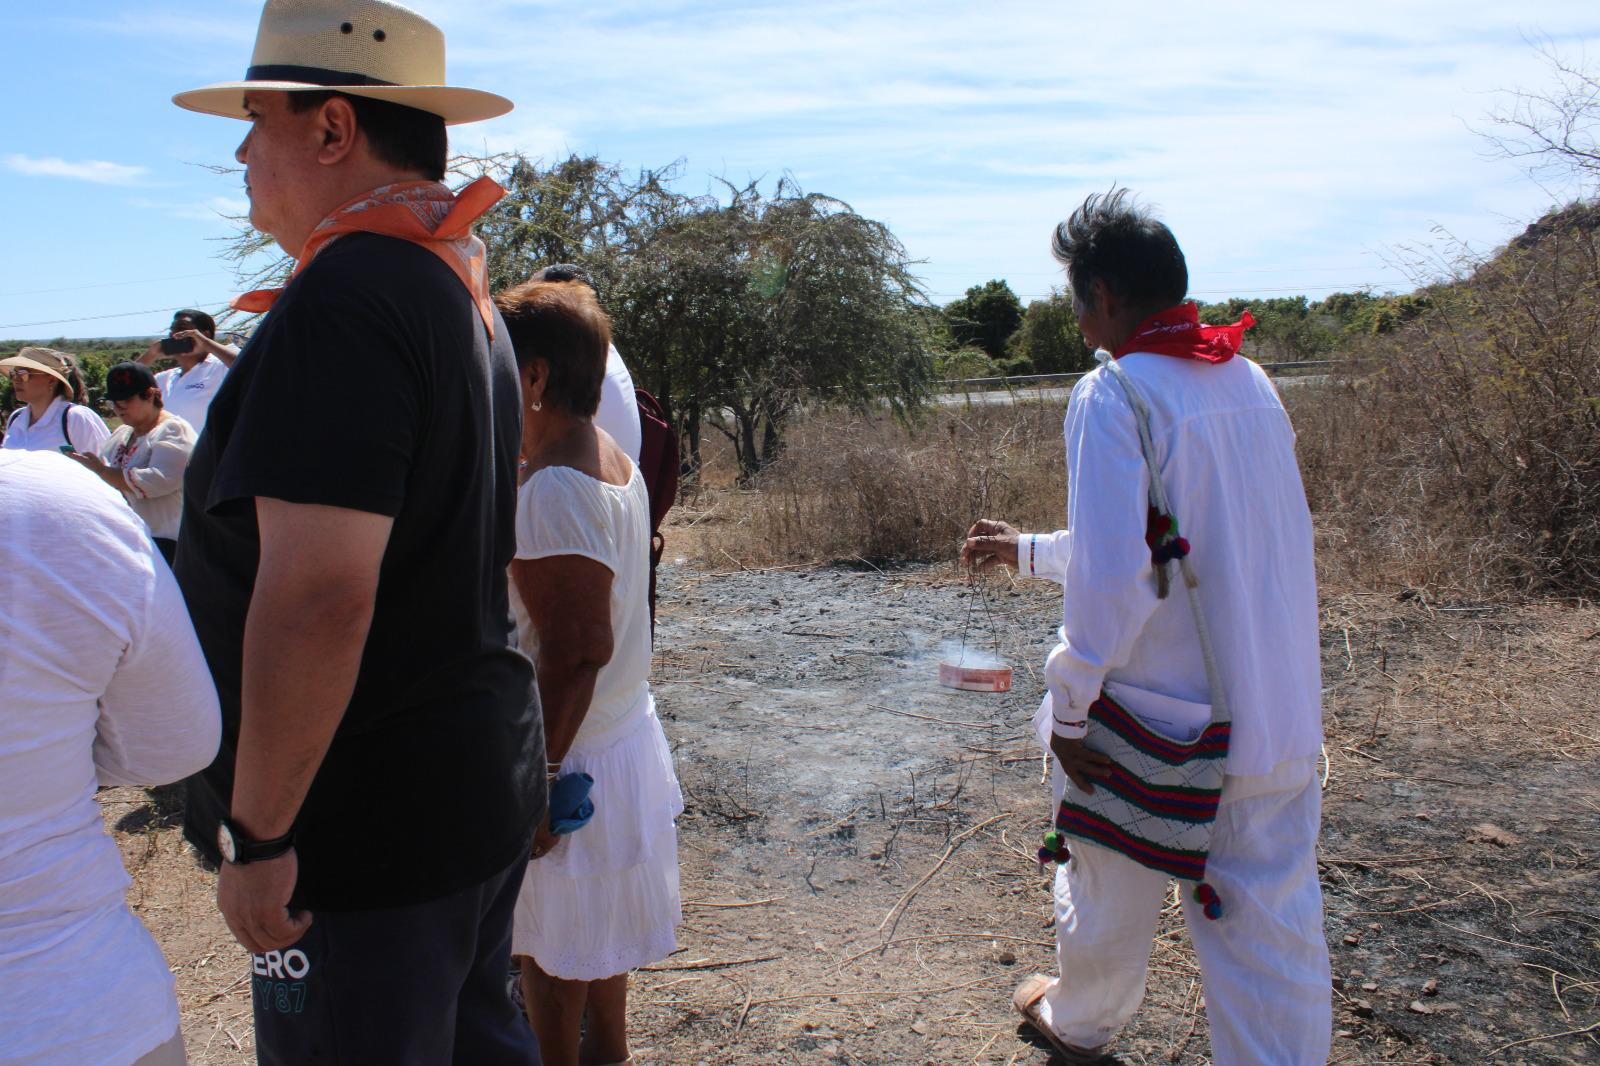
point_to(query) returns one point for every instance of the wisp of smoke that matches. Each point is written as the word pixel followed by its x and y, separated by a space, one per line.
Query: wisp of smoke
pixel 968 656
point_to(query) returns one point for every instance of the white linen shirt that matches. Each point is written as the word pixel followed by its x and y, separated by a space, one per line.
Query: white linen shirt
pixel 189 395
pixel 1226 452
pixel 86 431
pixel 619 407
pixel 102 682
pixel 154 469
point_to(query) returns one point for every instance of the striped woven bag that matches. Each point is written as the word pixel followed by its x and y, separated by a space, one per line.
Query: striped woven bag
pixel 1159 803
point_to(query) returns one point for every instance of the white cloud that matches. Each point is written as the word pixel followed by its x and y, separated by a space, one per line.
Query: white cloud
pixel 97 171
pixel 208 209
pixel 1284 139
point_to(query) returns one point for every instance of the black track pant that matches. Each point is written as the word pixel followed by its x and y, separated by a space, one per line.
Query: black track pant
pixel 408 986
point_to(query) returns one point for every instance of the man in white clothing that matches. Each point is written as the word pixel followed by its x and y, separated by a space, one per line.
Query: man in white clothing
pixel 102 682
pixel 1226 453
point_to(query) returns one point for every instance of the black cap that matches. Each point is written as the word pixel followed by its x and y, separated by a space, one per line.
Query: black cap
pixel 127 380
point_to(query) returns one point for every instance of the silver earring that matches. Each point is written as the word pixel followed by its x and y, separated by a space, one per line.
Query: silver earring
pixel 536 406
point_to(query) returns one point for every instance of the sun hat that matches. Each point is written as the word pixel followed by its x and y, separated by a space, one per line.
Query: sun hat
pixel 127 380
pixel 58 365
pixel 370 48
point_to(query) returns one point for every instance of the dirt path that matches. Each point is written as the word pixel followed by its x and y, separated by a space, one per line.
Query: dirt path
pixel 857 849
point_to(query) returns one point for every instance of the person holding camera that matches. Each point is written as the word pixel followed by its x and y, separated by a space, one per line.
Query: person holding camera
pixel 203 362
pixel 54 414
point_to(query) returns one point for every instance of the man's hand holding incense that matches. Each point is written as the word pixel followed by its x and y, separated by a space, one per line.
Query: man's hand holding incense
pixel 1079 762
pixel 990 541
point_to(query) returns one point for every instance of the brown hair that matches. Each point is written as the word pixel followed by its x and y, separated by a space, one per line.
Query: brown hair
pixel 561 323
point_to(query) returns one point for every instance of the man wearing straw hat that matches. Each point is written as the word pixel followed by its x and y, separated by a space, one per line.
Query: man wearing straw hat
pixel 348 522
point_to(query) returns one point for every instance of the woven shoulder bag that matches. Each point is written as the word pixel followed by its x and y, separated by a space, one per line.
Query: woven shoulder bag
pixel 1159 803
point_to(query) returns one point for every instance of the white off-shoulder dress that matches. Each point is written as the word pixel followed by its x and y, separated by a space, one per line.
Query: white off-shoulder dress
pixel 605 900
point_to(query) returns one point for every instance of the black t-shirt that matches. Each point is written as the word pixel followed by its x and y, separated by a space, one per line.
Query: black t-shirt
pixel 372 385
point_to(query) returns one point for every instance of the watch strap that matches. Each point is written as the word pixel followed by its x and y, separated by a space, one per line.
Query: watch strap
pixel 247 849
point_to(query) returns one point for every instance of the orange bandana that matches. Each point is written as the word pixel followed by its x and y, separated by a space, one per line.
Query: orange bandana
pixel 423 212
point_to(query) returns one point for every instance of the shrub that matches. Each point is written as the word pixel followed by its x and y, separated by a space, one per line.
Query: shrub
pixel 853 487
pixel 1463 449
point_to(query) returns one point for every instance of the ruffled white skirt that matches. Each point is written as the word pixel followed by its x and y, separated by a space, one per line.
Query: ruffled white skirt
pixel 605 899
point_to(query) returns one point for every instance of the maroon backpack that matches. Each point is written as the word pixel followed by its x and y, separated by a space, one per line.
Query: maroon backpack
pixel 658 465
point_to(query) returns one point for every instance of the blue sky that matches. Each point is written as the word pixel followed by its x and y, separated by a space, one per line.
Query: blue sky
pixel 1291 147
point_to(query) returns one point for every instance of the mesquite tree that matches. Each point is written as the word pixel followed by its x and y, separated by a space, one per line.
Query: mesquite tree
pixel 736 309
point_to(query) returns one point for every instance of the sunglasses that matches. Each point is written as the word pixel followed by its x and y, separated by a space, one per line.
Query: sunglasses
pixel 20 374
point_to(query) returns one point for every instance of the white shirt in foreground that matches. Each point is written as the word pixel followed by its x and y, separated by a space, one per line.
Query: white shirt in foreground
pixel 86 431
pixel 619 407
pixel 102 683
pixel 1226 451
pixel 189 395
pixel 154 466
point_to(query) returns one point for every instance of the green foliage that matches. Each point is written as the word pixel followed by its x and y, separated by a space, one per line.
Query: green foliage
pixel 986 316
pixel 1049 340
pixel 736 310
pixel 1287 328
pixel 1366 314
pixel 1473 431
pixel 967 362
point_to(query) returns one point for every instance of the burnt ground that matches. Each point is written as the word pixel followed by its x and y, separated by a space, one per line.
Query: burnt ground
pixel 857 846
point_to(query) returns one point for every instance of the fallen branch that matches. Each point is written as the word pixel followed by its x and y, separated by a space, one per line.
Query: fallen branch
pixel 708 964
pixel 1591 1027
pixel 911 892
pixel 930 718
pixel 946 936
pixel 735 903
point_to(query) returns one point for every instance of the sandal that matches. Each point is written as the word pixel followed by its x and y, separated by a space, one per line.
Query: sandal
pixel 1026 1000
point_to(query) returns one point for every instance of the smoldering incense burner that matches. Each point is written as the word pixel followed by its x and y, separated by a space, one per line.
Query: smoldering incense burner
pixel 989 677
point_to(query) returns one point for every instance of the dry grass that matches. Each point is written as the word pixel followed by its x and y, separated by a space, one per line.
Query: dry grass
pixel 1463 452
pixel 866 487
pixel 1459 455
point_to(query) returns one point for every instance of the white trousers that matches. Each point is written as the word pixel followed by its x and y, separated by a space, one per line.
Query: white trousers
pixel 1264 964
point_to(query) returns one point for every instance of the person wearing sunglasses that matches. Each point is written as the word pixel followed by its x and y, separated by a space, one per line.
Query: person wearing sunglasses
pixel 53 415
pixel 203 361
pixel 146 457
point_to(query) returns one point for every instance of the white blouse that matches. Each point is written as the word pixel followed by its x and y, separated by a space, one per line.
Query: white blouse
pixel 561 511
pixel 85 430
pixel 153 466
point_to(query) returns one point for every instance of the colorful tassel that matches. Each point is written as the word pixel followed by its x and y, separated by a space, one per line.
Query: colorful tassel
pixel 1165 542
pixel 1210 902
pixel 1055 848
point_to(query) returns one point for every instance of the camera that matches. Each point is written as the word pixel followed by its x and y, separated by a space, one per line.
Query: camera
pixel 177 345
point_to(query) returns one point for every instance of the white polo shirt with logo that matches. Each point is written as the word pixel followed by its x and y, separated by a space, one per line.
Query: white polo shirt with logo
pixel 189 395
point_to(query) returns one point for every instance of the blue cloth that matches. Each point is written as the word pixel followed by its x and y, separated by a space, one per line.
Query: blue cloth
pixel 570 805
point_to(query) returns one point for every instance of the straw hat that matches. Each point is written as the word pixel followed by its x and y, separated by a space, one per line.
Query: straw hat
pixel 58 365
pixel 362 47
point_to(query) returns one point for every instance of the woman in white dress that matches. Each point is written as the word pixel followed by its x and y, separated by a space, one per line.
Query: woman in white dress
pixel 602 900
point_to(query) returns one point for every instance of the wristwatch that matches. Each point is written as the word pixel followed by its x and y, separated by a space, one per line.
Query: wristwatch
pixel 238 849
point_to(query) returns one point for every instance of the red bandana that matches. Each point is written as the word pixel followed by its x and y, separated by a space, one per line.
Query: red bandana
pixel 1177 332
pixel 423 212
